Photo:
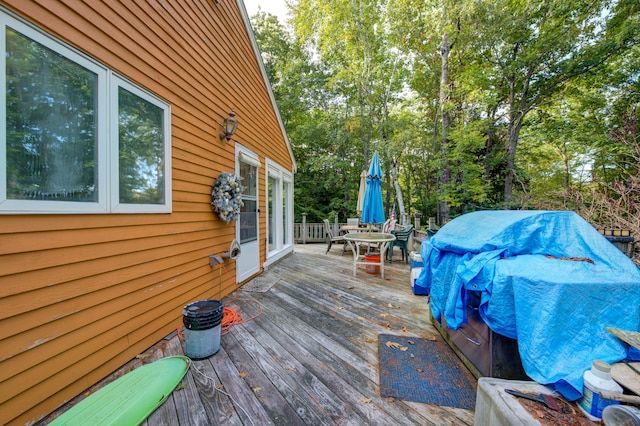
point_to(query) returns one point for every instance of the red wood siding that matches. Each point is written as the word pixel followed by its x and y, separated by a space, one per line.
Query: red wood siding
pixel 80 295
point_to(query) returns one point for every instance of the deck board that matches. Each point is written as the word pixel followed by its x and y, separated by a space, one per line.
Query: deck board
pixel 310 356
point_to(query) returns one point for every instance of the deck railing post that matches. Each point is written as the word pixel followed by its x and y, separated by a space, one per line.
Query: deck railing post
pixel 304 228
pixel 416 229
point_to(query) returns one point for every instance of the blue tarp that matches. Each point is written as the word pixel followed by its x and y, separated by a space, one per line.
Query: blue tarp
pixel 547 279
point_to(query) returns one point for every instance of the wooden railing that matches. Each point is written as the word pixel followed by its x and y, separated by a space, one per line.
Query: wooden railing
pixel 314 232
pixel 309 232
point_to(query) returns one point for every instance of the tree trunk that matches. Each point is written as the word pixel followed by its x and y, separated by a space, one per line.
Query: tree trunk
pixel 491 142
pixel 517 112
pixel 396 184
pixel 514 134
pixel 444 113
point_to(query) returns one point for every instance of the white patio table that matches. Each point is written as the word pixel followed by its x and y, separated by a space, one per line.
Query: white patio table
pixel 359 238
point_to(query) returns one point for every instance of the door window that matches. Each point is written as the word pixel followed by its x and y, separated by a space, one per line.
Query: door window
pixel 249 212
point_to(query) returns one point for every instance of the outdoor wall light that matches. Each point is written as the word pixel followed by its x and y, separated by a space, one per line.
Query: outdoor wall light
pixel 229 126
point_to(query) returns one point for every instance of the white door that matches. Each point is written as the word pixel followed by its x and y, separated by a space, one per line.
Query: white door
pixel 247 231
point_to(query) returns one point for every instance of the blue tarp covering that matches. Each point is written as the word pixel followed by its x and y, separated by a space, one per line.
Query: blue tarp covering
pixel 547 279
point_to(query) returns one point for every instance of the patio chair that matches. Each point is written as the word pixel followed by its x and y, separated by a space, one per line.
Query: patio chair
pixel 353 221
pixel 388 226
pixel 331 238
pixel 402 240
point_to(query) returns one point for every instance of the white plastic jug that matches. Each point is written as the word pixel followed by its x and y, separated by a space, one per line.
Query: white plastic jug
pixel 596 380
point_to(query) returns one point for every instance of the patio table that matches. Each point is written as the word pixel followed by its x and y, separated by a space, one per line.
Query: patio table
pixel 359 238
pixel 358 228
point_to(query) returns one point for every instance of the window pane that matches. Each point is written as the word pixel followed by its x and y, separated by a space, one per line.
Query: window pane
pixel 141 150
pixel 286 190
pixel 51 124
pixel 248 221
pixel 249 212
pixel 271 199
pixel 249 178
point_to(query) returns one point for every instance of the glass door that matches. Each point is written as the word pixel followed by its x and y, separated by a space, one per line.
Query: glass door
pixel 247 226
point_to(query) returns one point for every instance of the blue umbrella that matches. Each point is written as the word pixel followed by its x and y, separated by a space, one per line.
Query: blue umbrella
pixel 372 208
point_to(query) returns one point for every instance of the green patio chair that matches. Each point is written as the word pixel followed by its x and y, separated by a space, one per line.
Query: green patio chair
pixel 402 240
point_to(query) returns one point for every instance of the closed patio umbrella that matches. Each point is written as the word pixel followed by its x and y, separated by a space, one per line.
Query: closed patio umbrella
pixel 372 207
pixel 361 189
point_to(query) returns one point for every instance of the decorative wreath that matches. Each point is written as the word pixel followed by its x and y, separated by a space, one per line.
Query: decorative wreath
pixel 226 196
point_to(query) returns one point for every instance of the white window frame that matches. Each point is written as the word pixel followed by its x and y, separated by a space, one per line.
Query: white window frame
pixel 116 206
pixel 281 175
pixel 108 83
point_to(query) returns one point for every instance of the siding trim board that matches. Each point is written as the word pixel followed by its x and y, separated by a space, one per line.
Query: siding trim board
pixel 263 71
pixel 82 294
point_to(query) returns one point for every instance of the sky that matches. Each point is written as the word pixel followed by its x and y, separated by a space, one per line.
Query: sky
pixel 274 7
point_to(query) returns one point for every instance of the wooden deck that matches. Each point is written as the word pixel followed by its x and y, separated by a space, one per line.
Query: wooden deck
pixel 310 357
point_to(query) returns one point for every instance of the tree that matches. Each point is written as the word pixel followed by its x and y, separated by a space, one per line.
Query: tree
pixel 533 49
pixel 348 38
pixel 474 103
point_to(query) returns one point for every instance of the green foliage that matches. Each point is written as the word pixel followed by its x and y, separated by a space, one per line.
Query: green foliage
pixel 534 90
pixel 467 186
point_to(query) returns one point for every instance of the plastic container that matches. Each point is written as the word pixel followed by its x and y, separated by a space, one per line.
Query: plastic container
pixel 202 324
pixel 596 380
pixel 415 260
pixel 621 415
pixel 372 269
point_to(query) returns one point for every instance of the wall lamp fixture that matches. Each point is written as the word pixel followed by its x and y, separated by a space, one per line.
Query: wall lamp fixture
pixel 229 126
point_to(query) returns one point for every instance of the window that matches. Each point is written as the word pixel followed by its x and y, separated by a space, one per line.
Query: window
pixel 272 208
pixel 249 212
pixel 141 150
pixel 287 210
pixel 279 208
pixel 74 136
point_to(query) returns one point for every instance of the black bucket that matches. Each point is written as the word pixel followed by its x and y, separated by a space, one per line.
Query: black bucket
pixel 203 314
pixel 202 321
